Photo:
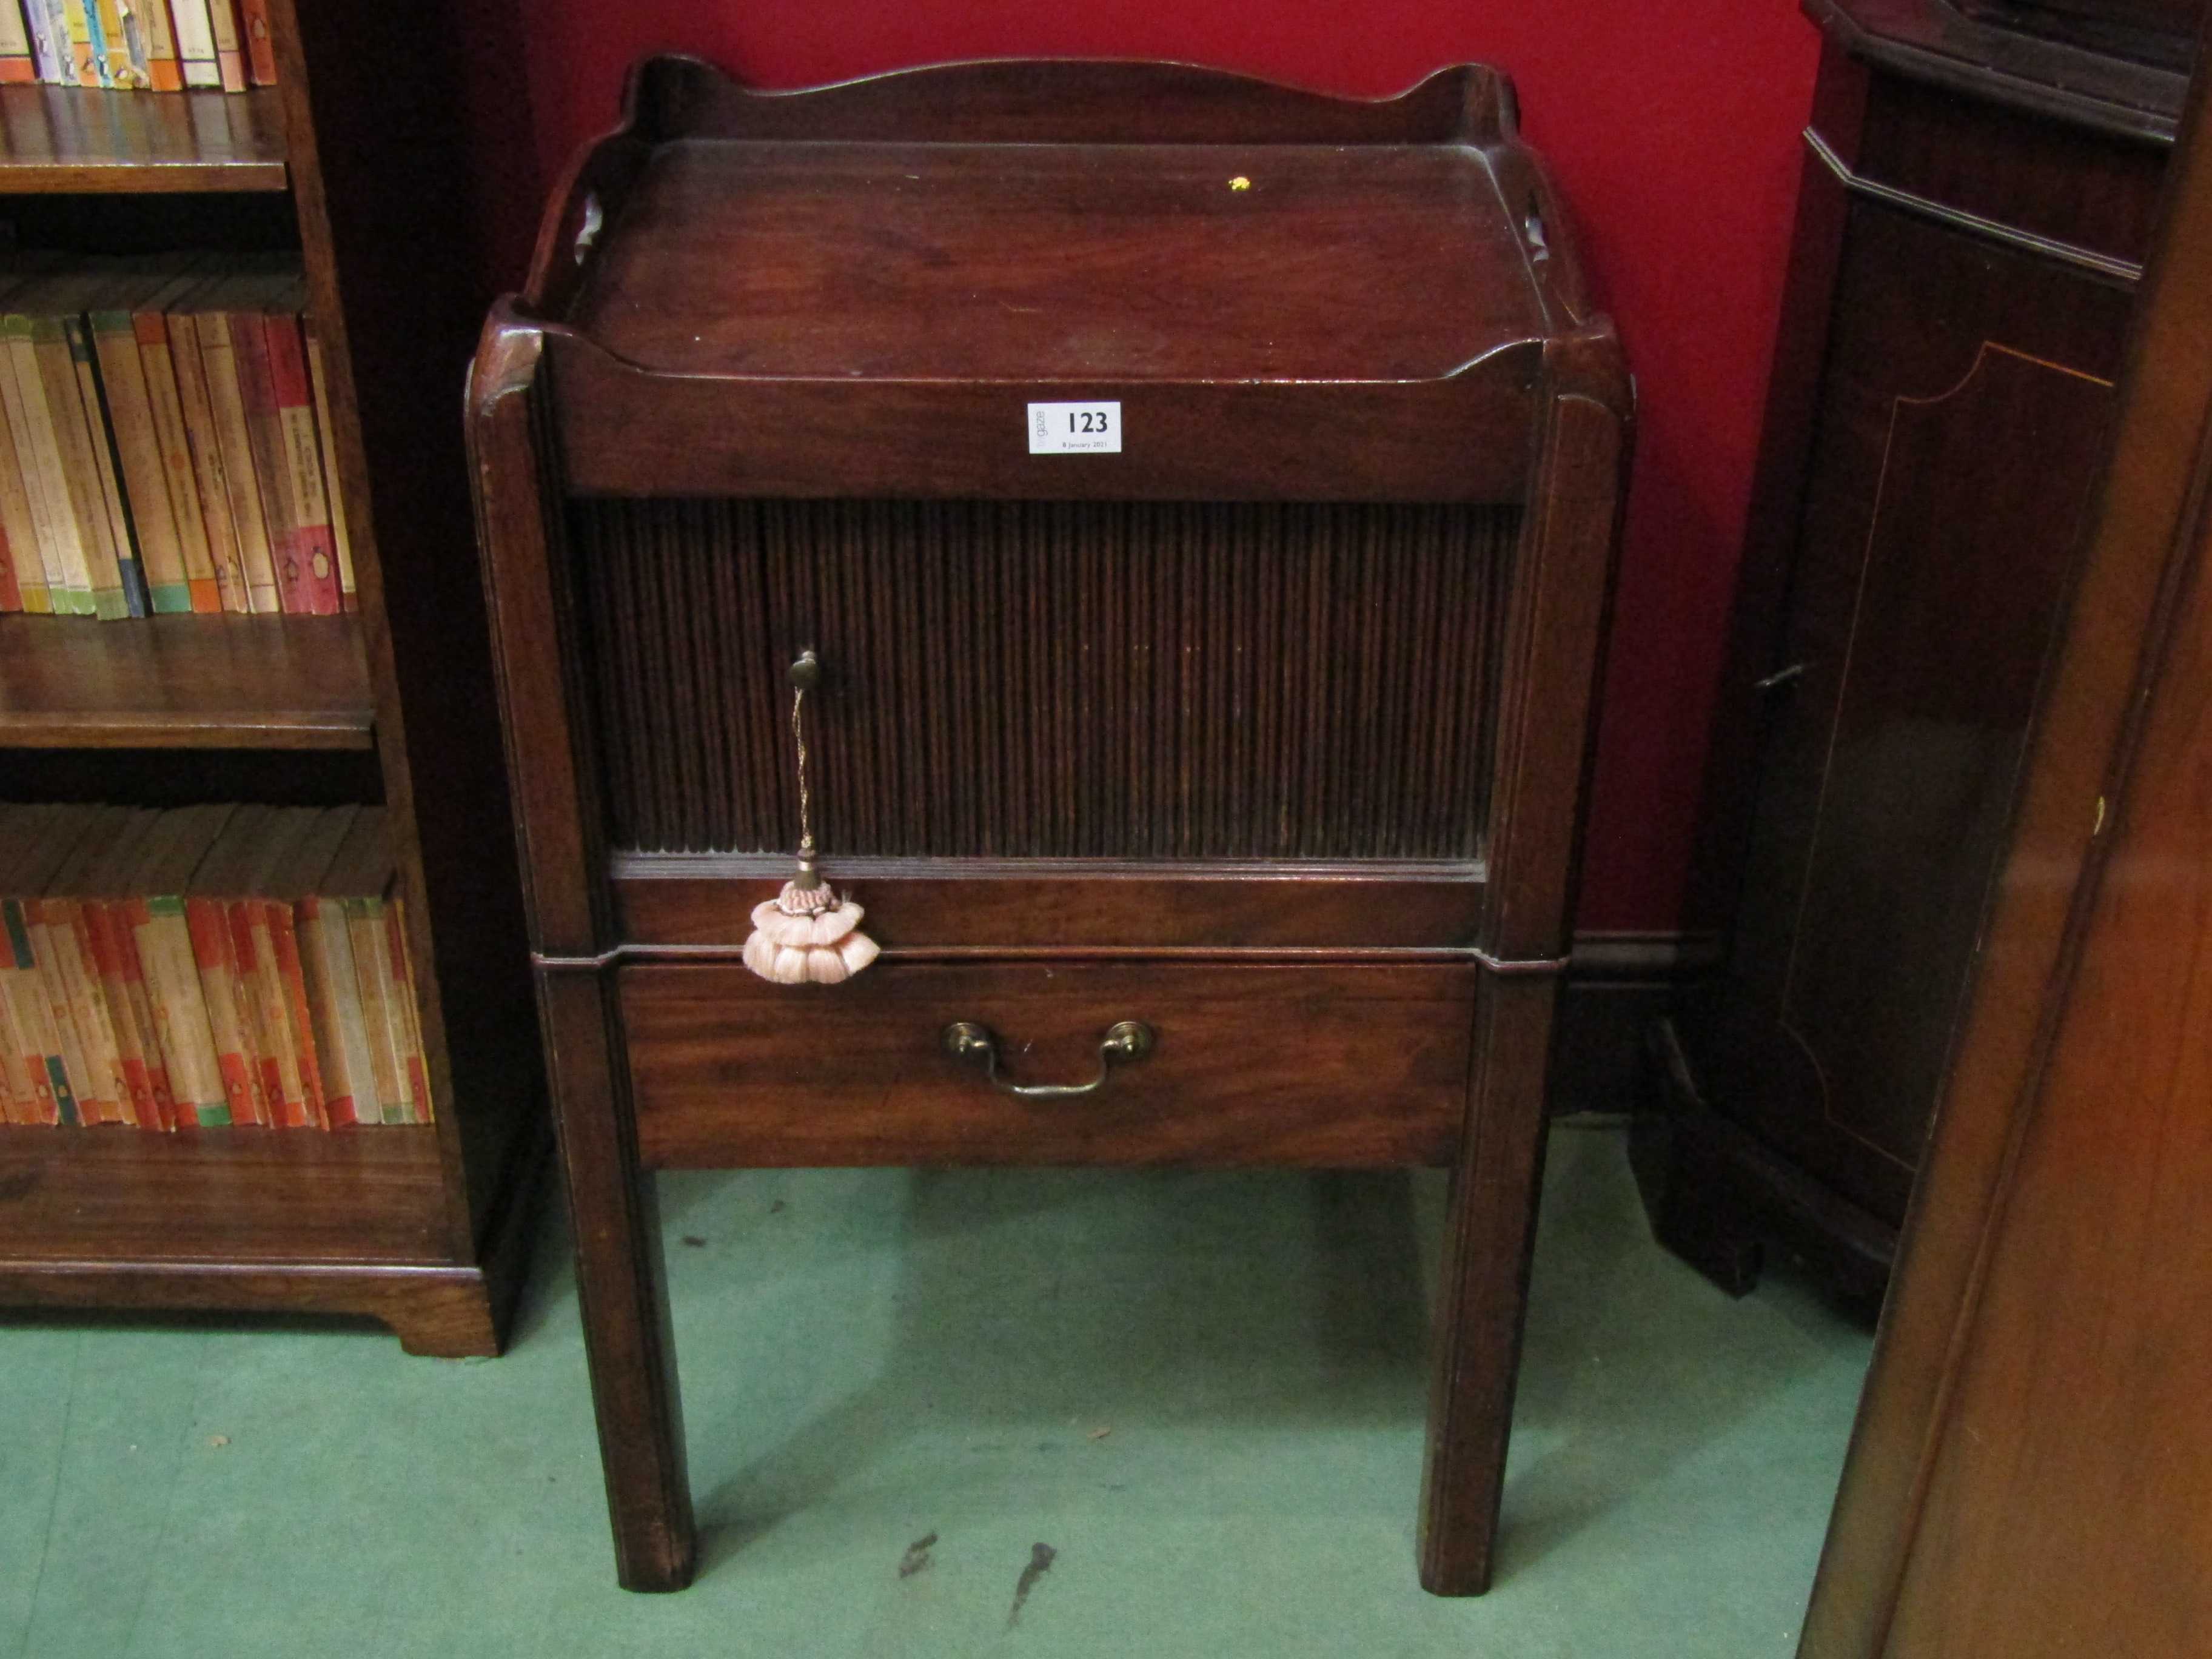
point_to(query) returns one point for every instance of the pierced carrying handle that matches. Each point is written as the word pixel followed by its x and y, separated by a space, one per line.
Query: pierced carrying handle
pixel 964 1040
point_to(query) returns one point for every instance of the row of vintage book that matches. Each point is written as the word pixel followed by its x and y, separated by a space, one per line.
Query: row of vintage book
pixel 164 440
pixel 139 46
pixel 205 966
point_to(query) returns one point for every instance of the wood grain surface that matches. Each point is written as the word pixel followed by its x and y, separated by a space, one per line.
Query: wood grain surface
pixel 1334 1067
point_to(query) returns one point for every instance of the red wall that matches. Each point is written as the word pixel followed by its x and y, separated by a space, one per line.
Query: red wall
pixel 1671 125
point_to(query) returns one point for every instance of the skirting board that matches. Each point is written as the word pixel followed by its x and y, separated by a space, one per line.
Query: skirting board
pixel 1617 984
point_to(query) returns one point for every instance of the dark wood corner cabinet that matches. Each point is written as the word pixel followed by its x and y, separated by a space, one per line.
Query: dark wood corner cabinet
pixel 1978 194
pixel 423 1228
pixel 1262 727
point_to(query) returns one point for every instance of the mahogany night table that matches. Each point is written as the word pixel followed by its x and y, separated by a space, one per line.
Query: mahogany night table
pixel 1049 613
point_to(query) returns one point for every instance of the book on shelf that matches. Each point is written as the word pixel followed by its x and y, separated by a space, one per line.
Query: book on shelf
pixel 49 47
pixel 195 33
pixel 164 73
pixel 127 401
pixel 333 991
pixel 205 967
pixel 16 62
pixel 164 440
pixel 24 511
pixel 342 541
pixel 26 393
pixel 123 43
pixel 71 972
pixel 139 46
pixel 269 914
pixel 188 370
pixel 64 448
pixel 309 576
pixel 358 879
pixel 229 45
pixel 92 1052
pixel 149 327
pixel 30 857
pixel 169 949
pixel 211 308
pixel 236 871
pixel 28 1091
pixel 22 573
pixel 108 925
pixel 86 56
pixel 260 45
pixel 207 917
pixel 125 583
pixel 153 925
pixel 252 355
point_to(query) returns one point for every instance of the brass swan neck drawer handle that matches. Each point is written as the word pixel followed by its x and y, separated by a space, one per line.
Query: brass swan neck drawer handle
pixel 965 1040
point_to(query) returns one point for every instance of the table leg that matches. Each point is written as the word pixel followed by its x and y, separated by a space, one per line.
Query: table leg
pixel 621 1285
pixel 1482 1290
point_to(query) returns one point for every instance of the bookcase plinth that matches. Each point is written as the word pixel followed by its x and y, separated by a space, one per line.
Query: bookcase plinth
pixel 257 1220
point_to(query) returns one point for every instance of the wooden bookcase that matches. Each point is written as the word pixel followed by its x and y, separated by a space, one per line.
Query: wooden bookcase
pixel 356 160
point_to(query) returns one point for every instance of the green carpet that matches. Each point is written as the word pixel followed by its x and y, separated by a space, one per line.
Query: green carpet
pixel 1202 1394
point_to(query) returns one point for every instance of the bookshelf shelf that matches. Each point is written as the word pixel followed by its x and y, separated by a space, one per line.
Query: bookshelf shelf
pixel 184 682
pixel 80 140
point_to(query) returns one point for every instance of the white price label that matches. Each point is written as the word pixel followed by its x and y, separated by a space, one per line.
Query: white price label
pixel 1075 428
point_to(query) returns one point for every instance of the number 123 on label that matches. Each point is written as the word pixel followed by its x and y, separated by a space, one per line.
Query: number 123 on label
pixel 1092 429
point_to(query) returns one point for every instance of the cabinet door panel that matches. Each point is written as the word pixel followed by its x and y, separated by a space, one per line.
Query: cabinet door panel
pixel 1962 410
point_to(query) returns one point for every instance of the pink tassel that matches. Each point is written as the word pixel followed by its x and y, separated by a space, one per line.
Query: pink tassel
pixel 804 936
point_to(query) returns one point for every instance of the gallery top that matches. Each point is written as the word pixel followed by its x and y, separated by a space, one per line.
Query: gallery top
pixel 1041 221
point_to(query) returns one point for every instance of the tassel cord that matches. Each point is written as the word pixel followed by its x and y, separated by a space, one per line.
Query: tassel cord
pixel 805 799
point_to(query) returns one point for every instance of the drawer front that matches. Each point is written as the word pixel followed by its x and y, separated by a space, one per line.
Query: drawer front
pixel 1333 1066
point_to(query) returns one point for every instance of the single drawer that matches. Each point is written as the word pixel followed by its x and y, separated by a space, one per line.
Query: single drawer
pixel 1341 1066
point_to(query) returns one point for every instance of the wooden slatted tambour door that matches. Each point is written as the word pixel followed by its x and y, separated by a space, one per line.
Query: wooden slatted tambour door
pixel 1213 799
pixel 1049 679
